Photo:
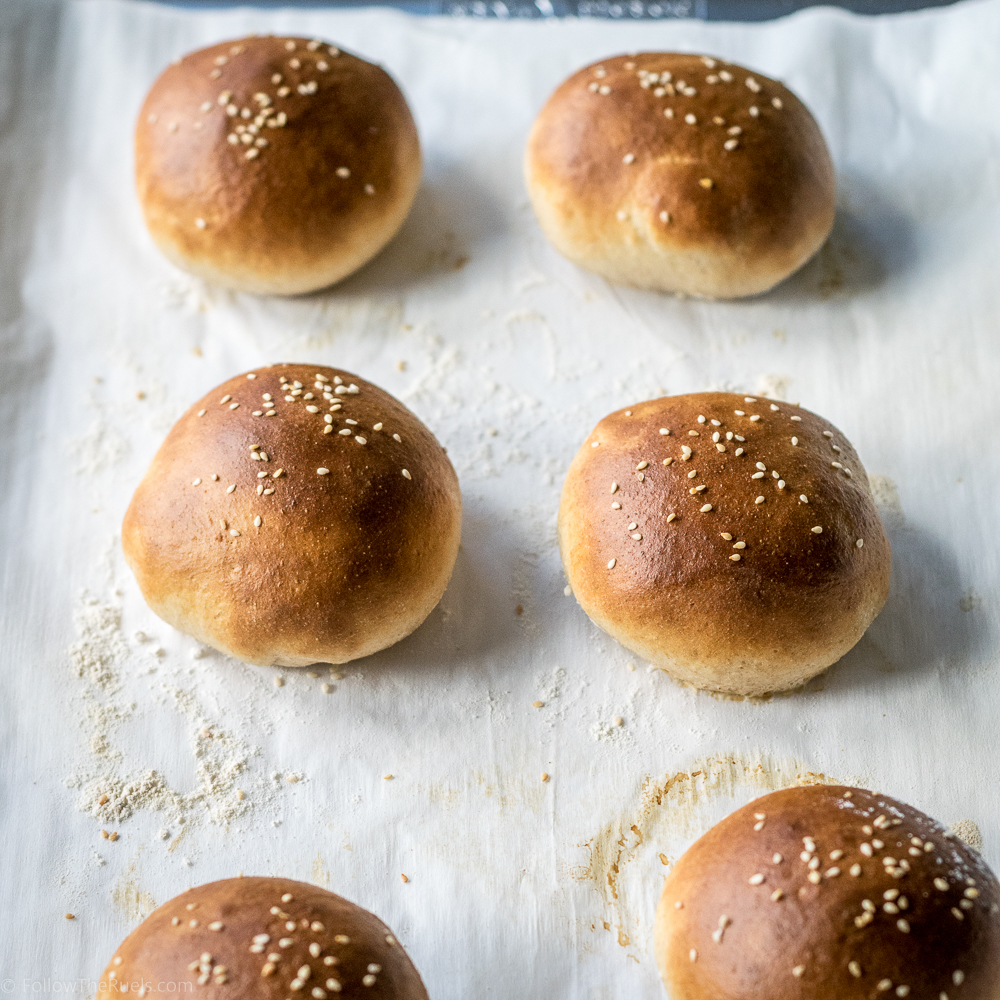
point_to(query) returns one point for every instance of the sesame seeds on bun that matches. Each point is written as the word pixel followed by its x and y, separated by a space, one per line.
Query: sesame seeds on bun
pixel 275 165
pixel 296 514
pixel 263 939
pixel 680 173
pixel 829 893
pixel 731 541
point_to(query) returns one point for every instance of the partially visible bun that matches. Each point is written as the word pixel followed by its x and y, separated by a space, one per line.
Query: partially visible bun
pixel 731 541
pixel 680 173
pixel 275 165
pixel 829 893
pixel 296 514
pixel 262 939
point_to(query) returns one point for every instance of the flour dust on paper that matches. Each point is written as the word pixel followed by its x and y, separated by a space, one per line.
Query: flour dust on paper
pixel 112 786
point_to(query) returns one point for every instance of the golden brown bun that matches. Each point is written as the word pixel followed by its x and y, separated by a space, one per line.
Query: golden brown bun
pixel 231 940
pixel 761 611
pixel 274 215
pixel 875 899
pixel 656 202
pixel 342 563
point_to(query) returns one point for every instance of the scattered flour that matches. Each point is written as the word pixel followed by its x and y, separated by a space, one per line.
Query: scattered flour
pixel 968 831
pixel 886 498
pixel 112 793
pixel 774 386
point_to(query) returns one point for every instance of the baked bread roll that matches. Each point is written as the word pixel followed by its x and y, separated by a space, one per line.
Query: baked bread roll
pixel 262 939
pixel 275 165
pixel 680 173
pixel 296 514
pixel 731 541
pixel 829 893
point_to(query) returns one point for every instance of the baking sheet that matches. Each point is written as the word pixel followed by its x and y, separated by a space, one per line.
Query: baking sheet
pixel 516 887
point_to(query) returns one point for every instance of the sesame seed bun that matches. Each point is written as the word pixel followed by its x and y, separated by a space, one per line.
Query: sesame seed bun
pixel 680 173
pixel 732 542
pixel 829 893
pixel 262 938
pixel 295 514
pixel 275 165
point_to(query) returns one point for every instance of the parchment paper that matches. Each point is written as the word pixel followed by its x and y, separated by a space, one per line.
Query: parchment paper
pixel 517 888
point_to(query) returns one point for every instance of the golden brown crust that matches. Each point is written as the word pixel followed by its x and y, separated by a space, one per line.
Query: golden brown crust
pixel 792 603
pixel 747 187
pixel 231 939
pixel 874 899
pixel 283 221
pixel 342 564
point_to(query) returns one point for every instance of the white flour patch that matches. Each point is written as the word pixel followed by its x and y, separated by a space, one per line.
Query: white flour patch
pixel 774 386
pixel 968 832
pixel 111 792
pixel 886 498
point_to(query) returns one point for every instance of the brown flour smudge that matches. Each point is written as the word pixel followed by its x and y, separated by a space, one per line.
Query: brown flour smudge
pixel 135 904
pixel 669 813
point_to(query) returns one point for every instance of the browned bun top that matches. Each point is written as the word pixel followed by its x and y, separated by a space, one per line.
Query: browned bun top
pixel 295 514
pixel 262 939
pixel 829 893
pixel 731 540
pixel 275 165
pixel 680 173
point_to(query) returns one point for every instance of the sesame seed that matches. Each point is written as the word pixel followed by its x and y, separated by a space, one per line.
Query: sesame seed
pixel 671 517
pixel 735 557
pixel 691 119
pixel 256 521
pixel 854 969
pixel 229 489
pixel 855 870
pixel 611 563
pixel 196 482
pixel 706 508
pixel 941 884
pixel 693 955
pixel 759 500
pixel 757 475
pixel 776 895
pixel 958 977
pixel 817 530
pixel 323 472
pixel 728 537
pixel 628 158
pixel 798 971
pixel 664 217
pixel 803 498
pixel 706 183
pixel 756 879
